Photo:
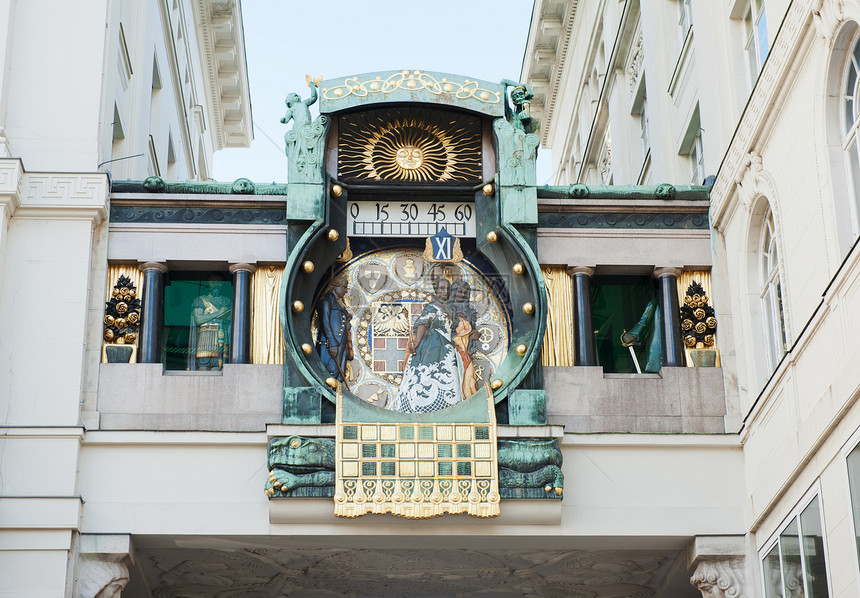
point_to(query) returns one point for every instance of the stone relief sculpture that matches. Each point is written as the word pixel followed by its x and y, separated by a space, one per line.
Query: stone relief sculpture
pixel 719 579
pixel 297 462
pixel 101 578
pixel 305 140
pixel 517 144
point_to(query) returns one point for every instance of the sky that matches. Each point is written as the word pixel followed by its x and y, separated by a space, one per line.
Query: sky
pixel 285 40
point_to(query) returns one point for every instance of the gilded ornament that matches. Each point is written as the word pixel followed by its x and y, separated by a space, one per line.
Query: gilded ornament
pixel 711 322
pixel 298 306
pixel 307 349
pixel 109 320
pixel 521 350
pixel 336 190
pixel 496 384
pixel 409 145
pixel 518 268
pixel 701 328
pixel 708 340
pixel 130 338
pixel 109 334
pixel 690 342
pixel 687 324
pixel 699 313
pixel 122 307
pixel 133 317
pixel 492 236
pixel 488 189
pixel 333 235
pixel 528 308
pixel 120 323
pixel 308 267
pixel 331 382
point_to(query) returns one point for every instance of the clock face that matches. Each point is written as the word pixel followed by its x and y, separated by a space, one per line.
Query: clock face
pixel 392 292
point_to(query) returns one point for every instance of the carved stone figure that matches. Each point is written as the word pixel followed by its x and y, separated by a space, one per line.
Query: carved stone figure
pixel 304 141
pixel 299 462
pixel 719 579
pixel 334 339
pixel 210 327
pixel 101 578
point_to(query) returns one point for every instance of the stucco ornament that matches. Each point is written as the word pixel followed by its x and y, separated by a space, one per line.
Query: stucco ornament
pixel 101 578
pixel 719 579
pixel 305 140
pixel 827 16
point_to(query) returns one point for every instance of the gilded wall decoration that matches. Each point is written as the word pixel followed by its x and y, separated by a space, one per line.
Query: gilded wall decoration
pixel 122 314
pixel 267 342
pixel 414 145
pixel 557 349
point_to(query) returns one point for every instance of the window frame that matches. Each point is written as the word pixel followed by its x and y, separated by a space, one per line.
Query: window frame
pixel 850 131
pixel 849 447
pixel 769 266
pixel 813 493
pixel 754 16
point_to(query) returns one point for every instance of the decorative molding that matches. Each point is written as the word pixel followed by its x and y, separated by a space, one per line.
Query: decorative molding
pixel 721 578
pixel 634 68
pixel 221 41
pixel 162 268
pixel 622 220
pixel 187 215
pixel 64 196
pixel 233 268
pixel 827 16
pixel 771 81
pixel 11 184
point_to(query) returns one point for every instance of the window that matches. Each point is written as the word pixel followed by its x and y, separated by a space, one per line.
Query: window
pixel 697 160
pixel 850 125
pixel 771 293
pixel 685 18
pixel 644 138
pixel 623 304
pixel 853 461
pixel 793 563
pixel 756 48
pixel 197 319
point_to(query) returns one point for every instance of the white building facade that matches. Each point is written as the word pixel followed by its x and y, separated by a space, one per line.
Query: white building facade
pixel 762 96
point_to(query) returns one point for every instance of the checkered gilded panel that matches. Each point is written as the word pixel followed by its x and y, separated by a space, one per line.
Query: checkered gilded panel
pixel 417 470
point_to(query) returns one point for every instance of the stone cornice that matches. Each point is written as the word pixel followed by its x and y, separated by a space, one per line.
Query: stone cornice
pixel 11 184
pixel 545 56
pixel 759 110
pixel 221 42
pixel 64 196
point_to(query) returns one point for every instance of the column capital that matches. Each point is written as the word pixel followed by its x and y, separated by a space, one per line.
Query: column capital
pixel 667 271
pixel 242 266
pixel 574 270
pixel 161 267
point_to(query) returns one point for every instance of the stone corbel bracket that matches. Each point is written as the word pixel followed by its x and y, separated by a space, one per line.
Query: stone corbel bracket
pixel 719 566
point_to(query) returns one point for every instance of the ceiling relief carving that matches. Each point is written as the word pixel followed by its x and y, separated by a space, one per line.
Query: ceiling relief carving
pixel 371 573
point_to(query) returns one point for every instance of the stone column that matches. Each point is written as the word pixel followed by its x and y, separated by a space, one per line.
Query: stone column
pixel 673 349
pixel 585 352
pixel 152 313
pixel 240 332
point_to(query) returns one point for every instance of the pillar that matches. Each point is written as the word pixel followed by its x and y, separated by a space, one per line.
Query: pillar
pixel 152 313
pixel 240 332
pixel 585 352
pixel 673 349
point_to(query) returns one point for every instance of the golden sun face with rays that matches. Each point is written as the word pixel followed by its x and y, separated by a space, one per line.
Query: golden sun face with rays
pixel 409 146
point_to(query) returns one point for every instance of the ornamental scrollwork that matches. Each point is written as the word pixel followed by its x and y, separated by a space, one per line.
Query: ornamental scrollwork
pixel 412 81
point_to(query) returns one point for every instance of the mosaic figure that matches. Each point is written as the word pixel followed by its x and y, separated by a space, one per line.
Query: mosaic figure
pixel 334 340
pixel 432 378
pixel 465 332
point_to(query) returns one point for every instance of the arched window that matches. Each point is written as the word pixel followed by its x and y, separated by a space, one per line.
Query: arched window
pixel 850 109
pixel 771 293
